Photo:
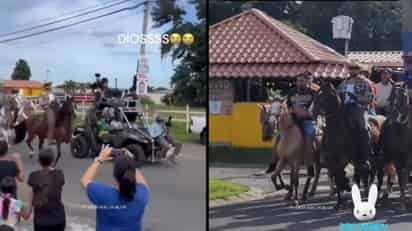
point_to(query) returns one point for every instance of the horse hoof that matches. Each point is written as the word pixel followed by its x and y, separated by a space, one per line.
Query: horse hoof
pixel 385 196
pixel 296 203
pixel 288 197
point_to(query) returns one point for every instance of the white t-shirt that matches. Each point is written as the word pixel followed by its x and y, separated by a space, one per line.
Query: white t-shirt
pixel 383 93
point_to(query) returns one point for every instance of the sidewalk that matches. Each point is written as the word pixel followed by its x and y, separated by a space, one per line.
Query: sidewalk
pixel 260 185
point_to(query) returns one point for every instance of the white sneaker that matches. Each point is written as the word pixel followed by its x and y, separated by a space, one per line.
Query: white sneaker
pixel 170 152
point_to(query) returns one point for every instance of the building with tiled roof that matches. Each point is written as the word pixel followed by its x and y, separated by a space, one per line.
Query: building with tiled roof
pixel 378 58
pixel 29 88
pixel 251 50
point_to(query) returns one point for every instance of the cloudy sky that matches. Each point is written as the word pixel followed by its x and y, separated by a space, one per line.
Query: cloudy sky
pixel 80 51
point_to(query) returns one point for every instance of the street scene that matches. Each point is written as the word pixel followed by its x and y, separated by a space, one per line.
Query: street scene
pixel 309 115
pixel 103 115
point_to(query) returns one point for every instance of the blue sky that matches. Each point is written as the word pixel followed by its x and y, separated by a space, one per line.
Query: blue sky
pixel 80 51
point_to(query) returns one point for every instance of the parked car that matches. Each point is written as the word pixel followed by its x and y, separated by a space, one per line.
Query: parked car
pixel 198 126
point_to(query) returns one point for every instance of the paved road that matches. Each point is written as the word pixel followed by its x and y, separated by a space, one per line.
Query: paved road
pixel 177 200
pixel 275 214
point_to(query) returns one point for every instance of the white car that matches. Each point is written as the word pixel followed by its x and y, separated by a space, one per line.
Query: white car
pixel 198 126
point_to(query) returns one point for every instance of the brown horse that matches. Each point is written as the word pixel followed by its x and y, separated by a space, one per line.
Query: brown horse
pixel 292 150
pixel 37 126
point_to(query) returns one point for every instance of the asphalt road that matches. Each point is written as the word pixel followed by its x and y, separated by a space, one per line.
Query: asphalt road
pixel 276 214
pixel 177 192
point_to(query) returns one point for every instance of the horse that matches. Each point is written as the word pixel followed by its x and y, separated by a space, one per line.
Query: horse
pixel 341 150
pixel 291 149
pixel 396 138
pixel 36 126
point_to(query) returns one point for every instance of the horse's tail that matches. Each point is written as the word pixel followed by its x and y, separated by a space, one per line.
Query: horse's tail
pixel 20 131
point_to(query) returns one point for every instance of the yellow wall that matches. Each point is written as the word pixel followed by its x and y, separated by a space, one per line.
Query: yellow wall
pixel 27 92
pixel 240 129
pixel 220 128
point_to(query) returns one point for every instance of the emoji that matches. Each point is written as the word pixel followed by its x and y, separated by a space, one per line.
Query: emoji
pixel 188 39
pixel 364 211
pixel 175 38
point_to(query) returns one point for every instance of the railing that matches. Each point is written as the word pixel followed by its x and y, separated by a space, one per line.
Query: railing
pixel 187 115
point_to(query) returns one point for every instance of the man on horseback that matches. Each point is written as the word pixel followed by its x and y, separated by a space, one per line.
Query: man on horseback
pixel 407 79
pixel 357 95
pixel 299 100
pixel 49 104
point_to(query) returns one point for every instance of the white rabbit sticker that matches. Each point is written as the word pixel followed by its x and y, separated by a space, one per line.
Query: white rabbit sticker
pixel 364 211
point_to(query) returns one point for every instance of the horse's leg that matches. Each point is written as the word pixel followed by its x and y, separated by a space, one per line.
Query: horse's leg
pixel 58 145
pixel 317 168
pixel 310 174
pixel 279 166
pixel 28 142
pixel 340 181
pixel 295 177
pixel 402 183
pixel 41 142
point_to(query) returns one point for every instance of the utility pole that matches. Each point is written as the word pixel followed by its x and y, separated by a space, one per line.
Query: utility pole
pixel 142 63
pixel 115 83
pixel 406 26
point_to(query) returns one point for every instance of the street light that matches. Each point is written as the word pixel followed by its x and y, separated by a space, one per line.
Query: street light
pixel 342 29
pixel 47 75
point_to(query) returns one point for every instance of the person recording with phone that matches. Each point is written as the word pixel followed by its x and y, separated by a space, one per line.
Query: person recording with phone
pixel 119 206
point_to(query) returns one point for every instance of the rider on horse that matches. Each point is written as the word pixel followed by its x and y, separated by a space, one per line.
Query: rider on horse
pixel 407 79
pixel 49 104
pixel 299 100
pixel 357 95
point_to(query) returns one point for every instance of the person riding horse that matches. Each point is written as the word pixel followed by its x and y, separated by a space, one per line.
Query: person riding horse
pixel 299 100
pixel 407 79
pixel 357 95
pixel 49 104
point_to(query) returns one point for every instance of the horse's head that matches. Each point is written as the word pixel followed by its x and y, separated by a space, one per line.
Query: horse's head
pixel 326 102
pixel 398 103
pixel 267 128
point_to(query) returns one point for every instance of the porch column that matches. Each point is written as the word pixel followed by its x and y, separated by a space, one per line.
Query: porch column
pixel 248 89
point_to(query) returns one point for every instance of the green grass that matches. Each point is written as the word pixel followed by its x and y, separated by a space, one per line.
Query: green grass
pixel 233 155
pixel 219 189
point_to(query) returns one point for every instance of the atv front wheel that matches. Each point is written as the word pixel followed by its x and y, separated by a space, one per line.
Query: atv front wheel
pixel 79 147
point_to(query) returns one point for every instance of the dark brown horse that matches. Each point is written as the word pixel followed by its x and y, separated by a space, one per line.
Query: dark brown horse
pixel 396 137
pixel 37 126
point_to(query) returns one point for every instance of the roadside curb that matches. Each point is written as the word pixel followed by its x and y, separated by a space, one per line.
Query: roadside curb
pixel 251 195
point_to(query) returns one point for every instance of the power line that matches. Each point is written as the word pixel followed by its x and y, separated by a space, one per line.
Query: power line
pixel 63 14
pixel 63 19
pixel 73 24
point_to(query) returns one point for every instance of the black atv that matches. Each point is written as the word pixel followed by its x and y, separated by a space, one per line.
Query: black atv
pixel 133 136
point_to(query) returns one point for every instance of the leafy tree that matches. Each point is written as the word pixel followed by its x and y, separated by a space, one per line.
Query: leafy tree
pixel 21 70
pixel 189 79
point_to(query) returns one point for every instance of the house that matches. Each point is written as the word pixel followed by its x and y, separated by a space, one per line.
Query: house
pixel 248 53
pixel 29 88
pixel 374 61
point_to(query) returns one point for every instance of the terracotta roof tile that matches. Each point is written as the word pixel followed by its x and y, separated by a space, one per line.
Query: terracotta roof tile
pixel 262 43
pixel 378 58
pixel 21 84
pixel 319 70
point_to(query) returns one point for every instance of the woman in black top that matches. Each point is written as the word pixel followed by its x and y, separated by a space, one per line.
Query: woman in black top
pixel 47 185
pixel 10 165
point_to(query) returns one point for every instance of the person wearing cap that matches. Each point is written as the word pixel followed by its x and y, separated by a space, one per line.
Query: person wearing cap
pixel 384 88
pixel 299 100
pixel 357 95
pixel 48 103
